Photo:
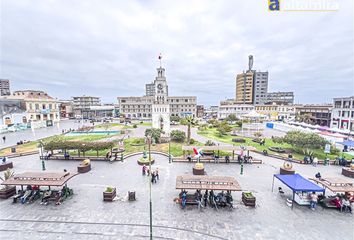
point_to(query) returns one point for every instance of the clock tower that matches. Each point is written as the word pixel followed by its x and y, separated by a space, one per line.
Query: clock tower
pixel 160 106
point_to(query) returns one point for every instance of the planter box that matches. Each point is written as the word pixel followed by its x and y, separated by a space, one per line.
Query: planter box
pixel 198 171
pixel 249 201
pixel 284 171
pixel 109 196
pixel 348 172
pixel 6 193
pixel 83 168
pixel 5 166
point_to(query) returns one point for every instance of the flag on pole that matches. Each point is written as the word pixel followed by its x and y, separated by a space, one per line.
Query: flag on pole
pixel 160 56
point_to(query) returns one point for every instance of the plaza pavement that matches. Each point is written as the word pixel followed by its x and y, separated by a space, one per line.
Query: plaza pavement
pixel 86 216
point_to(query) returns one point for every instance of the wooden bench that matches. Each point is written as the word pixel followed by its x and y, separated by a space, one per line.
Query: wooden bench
pixel 190 200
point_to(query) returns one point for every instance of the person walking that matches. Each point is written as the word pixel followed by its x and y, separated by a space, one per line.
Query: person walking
pixel 315 162
pixel 144 170
pixel 313 201
pixel 157 174
pixel 4 138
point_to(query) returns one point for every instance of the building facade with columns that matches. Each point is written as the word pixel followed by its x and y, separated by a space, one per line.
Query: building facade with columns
pixel 39 106
pixel 157 106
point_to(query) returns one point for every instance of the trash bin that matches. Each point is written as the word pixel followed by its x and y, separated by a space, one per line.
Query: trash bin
pixel 13 150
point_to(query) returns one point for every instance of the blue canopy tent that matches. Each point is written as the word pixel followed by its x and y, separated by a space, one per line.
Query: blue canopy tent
pixel 298 183
pixel 348 143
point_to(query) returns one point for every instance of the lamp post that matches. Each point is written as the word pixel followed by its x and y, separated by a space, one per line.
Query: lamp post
pixel 149 138
pixel 169 150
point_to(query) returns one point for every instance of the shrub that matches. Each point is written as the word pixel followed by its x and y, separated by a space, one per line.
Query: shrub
pixel 192 141
pixel 209 143
pixel 155 133
pixel 178 136
pixel 109 189
pixel 135 126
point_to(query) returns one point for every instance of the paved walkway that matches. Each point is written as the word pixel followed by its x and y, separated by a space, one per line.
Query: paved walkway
pixel 86 216
pixel 14 137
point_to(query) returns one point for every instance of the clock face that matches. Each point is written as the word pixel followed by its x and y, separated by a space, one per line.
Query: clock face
pixel 159 86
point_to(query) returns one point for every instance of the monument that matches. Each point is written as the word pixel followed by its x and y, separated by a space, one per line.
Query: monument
pixel 160 107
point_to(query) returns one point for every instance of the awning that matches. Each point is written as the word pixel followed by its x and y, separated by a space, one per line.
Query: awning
pixel 207 183
pixel 40 179
pixel 298 183
pixel 336 185
pixel 347 143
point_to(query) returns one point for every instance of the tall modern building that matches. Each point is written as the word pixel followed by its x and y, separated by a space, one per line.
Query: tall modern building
pixel 260 88
pixel 244 87
pixel 4 87
pixel 252 88
pixel 150 89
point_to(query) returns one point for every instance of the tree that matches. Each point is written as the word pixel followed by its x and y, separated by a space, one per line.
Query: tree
pixel 303 141
pixel 155 133
pixel 307 118
pixel 175 118
pixel 178 136
pixel 231 118
pixel 257 134
pixel 189 121
pixel 223 128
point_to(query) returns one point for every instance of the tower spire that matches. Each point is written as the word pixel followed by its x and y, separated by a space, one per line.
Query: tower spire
pixel 160 57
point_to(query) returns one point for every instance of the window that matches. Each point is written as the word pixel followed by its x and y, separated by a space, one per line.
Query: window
pixel 37 106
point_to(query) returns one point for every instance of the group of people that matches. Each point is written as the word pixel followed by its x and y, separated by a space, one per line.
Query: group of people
pixel 221 199
pixel 311 160
pixel 343 202
pixel 154 174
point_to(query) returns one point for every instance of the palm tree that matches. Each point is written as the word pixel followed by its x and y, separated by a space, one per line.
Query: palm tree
pixel 189 121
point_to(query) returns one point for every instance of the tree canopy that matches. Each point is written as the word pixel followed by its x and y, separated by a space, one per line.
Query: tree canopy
pixel 303 140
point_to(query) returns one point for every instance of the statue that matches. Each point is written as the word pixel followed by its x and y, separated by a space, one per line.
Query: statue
pixel 250 62
pixel 161 123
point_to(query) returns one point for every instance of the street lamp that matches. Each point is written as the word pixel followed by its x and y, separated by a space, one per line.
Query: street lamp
pixel 169 149
pixel 149 139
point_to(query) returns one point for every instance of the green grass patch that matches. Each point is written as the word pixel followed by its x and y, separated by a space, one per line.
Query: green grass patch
pixel 213 134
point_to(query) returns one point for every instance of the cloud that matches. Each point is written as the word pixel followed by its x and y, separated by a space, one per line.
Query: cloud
pixel 110 48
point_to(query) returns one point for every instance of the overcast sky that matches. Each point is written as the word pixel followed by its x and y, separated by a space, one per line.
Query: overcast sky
pixel 110 48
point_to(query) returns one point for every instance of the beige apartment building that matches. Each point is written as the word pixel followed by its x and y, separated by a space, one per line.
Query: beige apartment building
pixel 244 88
pixel 39 106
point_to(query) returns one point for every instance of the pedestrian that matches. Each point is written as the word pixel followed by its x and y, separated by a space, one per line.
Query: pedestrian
pixel 4 138
pixel 189 158
pixel 313 201
pixel 144 170
pixel 153 177
pixel 157 174
pixel 315 161
pixel 205 198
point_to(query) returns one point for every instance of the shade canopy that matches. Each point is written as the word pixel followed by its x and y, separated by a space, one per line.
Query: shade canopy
pixel 347 143
pixel 40 178
pixel 298 183
pixel 207 183
pixel 336 185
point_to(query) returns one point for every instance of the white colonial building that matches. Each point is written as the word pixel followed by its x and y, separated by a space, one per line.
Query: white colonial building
pixel 342 116
pixel 157 106
pixel 228 107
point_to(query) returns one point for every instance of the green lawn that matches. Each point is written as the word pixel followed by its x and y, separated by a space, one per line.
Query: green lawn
pixel 212 133
pixel 27 147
